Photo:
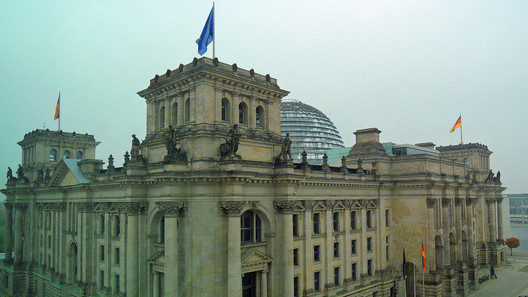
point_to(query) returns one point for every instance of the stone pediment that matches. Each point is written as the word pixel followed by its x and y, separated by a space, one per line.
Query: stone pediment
pixel 255 258
pixel 67 173
pixel 158 259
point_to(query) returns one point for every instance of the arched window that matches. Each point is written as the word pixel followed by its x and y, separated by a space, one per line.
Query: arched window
pixel 79 155
pixel 162 117
pixel 161 238
pixel 174 119
pixel 66 154
pixel 53 155
pixel 101 224
pixel 225 110
pixel 242 113
pixel 73 260
pixel 188 109
pixel 260 116
pixel 250 227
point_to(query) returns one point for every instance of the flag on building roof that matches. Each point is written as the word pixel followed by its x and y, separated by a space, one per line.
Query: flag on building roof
pixel 404 262
pixel 57 109
pixel 423 257
pixel 207 34
pixel 457 124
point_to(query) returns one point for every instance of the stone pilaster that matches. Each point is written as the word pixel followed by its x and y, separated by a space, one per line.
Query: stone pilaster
pixel 172 210
pixel 491 220
pixel 286 266
pixel 431 226
pixel 234 271
pixel 499 220
pixel 19 217
pixel 308 245
pixel 9 233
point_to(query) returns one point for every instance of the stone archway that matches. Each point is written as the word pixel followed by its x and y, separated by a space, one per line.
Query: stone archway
pixel 439 252
pixel 73 263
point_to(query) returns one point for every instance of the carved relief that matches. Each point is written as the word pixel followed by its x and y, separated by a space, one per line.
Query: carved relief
pixel 284 206
pixel 308 204
pixel 232 207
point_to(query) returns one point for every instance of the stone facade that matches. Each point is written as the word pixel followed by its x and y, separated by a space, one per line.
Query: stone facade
pixel 203 222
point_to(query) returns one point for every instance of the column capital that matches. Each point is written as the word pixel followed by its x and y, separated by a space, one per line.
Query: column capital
pixel 431 202
pixel 173 208
pixel 85 206
pixel 499 199
pixel 445 202
pixel 284 206
pixel 308 204
pixel 232 207
pixel 490 200
pixel 8 205
pixel 458 201
pixel 132 208
pixel 21 206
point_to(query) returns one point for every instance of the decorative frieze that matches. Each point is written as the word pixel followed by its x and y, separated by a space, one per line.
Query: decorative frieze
pixel 232 207
pixel 172 208
pixel 51 206
pixel 284 206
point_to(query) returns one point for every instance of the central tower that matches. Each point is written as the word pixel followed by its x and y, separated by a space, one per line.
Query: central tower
pixel 202 101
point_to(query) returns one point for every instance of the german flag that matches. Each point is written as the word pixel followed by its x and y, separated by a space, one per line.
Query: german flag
pixel 57 109
pixel 457 124
pixel 423 257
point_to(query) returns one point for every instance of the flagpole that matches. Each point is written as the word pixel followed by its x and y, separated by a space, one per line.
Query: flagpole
pixel 423 282
pixel 59 111
pixel 414 280
pixel 461 142
pixel 214 30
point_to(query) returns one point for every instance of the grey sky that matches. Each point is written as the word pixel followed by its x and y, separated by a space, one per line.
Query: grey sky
pixel 406 67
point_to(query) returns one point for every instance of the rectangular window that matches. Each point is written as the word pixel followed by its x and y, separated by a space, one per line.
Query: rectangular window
pixel 387 218
pixel 336 221
pixel 316 253
pixel 295 219
pixel 387 248
pixel 316 223
pixel 354 271
pixel 101 224
pixel 116 256
pixel 116 283
pixel 353 224
pixel 336 276
pixel 369 219
pixel 117 225
pixel 101 253
pixel 49 241
pixel 369 244
pixel 101 279
pixel 316 281
pixel 336 249
pixel 369 267
pixel 296 286
pixel 296 257
pixel 41 240
pixel 354 247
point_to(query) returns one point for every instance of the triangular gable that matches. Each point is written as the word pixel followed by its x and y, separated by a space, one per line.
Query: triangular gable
pixel 298 206
pixel 159 256
pixel 319 205
pixel 339 205
pixel 254 258
pixel 67 173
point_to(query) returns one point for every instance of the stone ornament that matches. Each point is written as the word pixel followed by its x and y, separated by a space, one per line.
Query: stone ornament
pixel 458 201
pixel 230 147
pixel 284 206
pixel 232 207
pixel 172 208
pixel 431 202
pixel 85 206
pixel 445 202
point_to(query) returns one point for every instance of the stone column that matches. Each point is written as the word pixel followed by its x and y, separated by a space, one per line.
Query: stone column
pixel 264 283
pixel 9 233
pixel 171 210
pixel 132 210
pixel 458 220
pixel 491 220
pixel 19 217
pixel 286 265
pixel 308 245
pixel 234 271
pixel 445 224
pixel 499 220
pixel 431 263
pixel 155 285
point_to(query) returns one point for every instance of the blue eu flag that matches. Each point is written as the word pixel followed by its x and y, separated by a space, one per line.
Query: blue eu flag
pixel 207 34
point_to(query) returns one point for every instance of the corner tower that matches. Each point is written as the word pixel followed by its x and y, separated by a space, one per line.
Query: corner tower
pixel 202 100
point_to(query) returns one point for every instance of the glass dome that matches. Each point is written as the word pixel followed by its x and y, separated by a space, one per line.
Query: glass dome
pixel 309 129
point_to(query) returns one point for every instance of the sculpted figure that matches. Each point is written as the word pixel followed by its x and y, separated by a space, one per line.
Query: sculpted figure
pixel 490 177
pixel 134 152
pixel 10 176
pixel 230 147
pixel 20 172
pixel 286 149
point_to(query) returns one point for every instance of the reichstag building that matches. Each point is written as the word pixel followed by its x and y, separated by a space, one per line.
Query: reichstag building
pixel 211 203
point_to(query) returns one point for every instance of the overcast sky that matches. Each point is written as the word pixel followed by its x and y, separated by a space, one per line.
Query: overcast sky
pixel 408 68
